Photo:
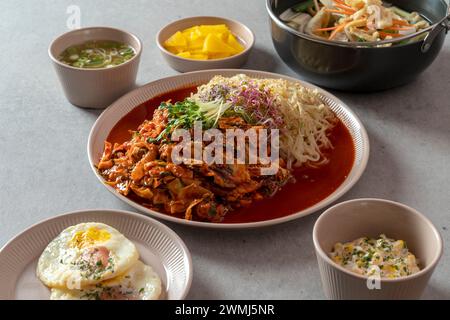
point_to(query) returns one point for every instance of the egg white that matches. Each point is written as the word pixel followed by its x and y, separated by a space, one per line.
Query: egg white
pixel 61 265
pixel 140 282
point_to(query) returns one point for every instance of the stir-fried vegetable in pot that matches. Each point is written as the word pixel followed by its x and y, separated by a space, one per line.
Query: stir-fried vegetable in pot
pixel 353 20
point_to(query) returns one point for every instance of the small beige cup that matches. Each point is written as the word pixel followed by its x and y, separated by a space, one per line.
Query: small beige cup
pixel 95 88
pixel 180 64
pixel 353 219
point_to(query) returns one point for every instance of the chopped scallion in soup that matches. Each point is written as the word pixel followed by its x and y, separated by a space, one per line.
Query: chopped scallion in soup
pixel 97 54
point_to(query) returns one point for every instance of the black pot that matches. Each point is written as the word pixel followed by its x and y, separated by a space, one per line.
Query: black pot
pixel 359 67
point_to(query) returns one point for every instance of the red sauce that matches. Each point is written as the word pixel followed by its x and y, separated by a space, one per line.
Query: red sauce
pixel 312 184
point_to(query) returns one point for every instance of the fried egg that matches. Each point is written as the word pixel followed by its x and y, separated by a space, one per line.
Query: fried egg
pixel 140 282
pixel 85 254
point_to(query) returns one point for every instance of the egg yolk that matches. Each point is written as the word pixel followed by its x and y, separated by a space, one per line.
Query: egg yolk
pixel 87 238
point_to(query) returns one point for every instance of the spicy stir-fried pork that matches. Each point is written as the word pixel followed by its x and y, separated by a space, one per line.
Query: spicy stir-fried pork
pixel 199 191
pixel 204 191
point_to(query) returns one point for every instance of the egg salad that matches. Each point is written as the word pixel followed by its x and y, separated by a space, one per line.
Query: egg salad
pixel 95 261
pixel 384 257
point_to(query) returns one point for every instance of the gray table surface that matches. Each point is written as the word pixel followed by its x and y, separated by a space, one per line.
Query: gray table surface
pixel 44 168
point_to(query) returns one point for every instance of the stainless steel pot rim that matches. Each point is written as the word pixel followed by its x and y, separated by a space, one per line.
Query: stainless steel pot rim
pixel 443 23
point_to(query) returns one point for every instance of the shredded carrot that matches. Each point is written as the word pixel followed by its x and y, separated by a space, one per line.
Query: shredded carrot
pixel 400 22
pixel 359 5
pixel 385 34
pixel 398 28
pixel 343 25
pixel 340 2
pixel 348 13
pixel 344 7
pixel 338 29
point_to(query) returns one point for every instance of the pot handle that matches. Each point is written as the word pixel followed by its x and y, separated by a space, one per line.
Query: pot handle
pixel 443 24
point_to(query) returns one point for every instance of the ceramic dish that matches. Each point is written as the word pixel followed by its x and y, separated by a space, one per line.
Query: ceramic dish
pixel 242 32
pixel 110 117
pixel 95 88
pixel 358 218
pixel 158 247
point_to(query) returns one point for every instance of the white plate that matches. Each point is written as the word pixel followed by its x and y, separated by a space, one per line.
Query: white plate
pixel 158 247
pixel 125 104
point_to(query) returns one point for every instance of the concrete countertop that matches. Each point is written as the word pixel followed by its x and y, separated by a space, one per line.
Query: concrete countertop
pixel 44 169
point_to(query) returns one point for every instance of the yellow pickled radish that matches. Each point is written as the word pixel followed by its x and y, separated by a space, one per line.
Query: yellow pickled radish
pixel 185 54
pixel 196 44
pixel 176 40
pixel 215 29
pixel 232 42
pixel 204 42
pixel 199 57
pixel 213 44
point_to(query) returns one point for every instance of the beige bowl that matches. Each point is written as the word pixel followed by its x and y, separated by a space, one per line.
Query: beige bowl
pixel 242 32
pixel 95 88
pixel 353 219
